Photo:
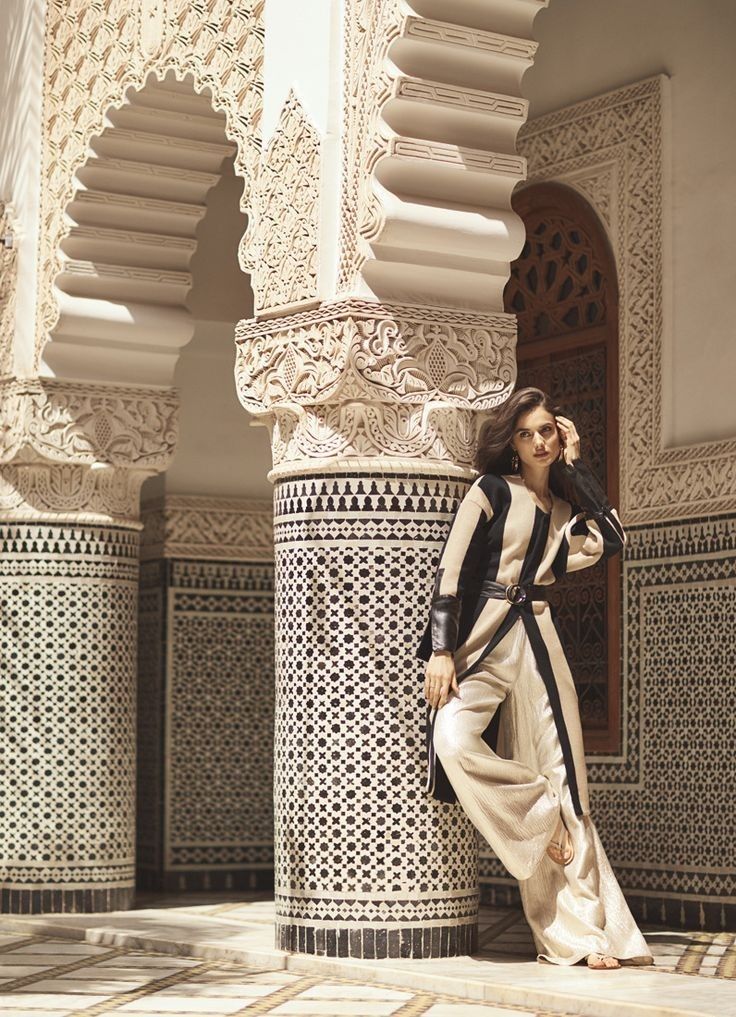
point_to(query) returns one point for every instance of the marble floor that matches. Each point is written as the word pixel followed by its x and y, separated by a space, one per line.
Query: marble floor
pixel 226 941
pixel 41 976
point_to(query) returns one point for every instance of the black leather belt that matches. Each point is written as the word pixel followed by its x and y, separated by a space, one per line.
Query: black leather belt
pixel 515 593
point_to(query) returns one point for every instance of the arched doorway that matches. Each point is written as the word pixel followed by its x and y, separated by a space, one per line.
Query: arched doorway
pixel 149 292
pixel 564 292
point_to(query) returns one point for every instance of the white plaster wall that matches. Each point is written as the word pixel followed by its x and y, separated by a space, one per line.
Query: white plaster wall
pixel 219 453
pixel 591 46
pixel 21 78
pixel 303 52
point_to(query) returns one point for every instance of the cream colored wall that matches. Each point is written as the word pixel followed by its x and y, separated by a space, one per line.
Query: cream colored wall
pixel 21 77
pixel 219 453
pixel 591 46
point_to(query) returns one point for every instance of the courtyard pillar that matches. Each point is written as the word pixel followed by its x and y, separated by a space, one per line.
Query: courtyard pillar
pixel 73 458
pixel 385 232
pixel 371 412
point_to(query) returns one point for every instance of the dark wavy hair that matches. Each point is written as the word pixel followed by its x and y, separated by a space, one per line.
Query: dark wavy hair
pixel 493 452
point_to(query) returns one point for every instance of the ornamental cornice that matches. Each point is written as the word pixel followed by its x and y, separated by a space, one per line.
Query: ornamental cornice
pixel 204 528
pixel 81 424
pixel 355 351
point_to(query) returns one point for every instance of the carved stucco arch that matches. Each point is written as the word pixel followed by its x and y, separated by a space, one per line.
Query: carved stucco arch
pixel 94 55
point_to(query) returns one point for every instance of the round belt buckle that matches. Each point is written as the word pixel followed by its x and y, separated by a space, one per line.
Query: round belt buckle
pixel 515 593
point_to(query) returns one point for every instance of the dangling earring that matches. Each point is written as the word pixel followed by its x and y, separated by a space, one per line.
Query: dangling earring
pixel 515 461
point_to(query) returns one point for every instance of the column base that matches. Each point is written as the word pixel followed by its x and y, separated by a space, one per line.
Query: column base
pixel 62 902
pixel 419 943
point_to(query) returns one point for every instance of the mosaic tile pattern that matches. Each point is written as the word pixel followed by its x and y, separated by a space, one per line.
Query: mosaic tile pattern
pixel 68 605
pixel 206 724
pixel 367 864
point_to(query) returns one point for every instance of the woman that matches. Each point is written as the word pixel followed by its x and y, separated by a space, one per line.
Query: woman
pixel 535 512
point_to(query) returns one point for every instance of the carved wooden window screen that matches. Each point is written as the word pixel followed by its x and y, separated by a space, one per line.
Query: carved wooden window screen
pixel 563 290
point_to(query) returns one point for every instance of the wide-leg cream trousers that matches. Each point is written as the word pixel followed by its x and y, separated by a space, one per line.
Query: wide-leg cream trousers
pixel 515 799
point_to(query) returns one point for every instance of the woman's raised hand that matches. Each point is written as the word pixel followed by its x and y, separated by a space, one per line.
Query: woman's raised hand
pixel 439 678
pixel 571 438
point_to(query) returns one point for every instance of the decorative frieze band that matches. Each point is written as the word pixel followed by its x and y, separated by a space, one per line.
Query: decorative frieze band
pixel 210 529
pixel 69 422
pixel 390 354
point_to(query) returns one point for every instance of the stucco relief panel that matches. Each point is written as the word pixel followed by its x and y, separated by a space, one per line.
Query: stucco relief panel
pixel 288 211
pixel 610 150
pixel 8 282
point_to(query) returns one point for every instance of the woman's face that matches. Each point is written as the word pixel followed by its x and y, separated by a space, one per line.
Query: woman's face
pixel 536 438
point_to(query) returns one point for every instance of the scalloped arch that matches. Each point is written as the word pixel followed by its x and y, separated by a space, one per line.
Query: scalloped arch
pixel 95 54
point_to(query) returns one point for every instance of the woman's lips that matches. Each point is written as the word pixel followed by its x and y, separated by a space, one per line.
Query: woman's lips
pixel 540 455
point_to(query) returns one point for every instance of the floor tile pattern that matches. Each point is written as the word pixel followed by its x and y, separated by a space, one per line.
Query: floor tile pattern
pixel 46 977
pixel 708 954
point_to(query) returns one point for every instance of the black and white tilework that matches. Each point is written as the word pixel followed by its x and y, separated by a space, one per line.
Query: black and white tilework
pixel 68 609
pixel 206 703
pixel 367 865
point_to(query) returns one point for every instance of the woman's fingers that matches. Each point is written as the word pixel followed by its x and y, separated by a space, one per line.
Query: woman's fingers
pixel 437 687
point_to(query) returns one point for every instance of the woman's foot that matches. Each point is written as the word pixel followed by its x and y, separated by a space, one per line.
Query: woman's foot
pixel 601 960
pixel 560 848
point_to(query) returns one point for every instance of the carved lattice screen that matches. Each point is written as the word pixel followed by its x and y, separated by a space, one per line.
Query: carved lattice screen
pixel 563 291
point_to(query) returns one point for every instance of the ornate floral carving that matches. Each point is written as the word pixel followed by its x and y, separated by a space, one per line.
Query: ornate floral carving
pixel 288 211
pixel 8 280
pixel 378 435
pixel 56 491
pixel 360 350
pixel 95 52
pixel 86 424
pixel 357 379
pixel 208 528
pixel 598 146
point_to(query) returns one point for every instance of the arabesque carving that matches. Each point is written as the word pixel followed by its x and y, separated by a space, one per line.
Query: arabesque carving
pixel 599 147
pixel 8 282
pixel 288 211
pixel 357 379
pixel 65 422
pixel 361 350
pixel 55 492
pixel 210 529
pixel 96 51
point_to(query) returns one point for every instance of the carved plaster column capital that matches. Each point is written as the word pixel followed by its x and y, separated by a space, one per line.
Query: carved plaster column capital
pixel 78 451
pixel 353 383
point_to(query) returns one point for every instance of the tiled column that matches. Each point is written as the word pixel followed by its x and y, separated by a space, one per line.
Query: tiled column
pixel 206 692
pixel 385 233
pixel 357 396
pixel 75 458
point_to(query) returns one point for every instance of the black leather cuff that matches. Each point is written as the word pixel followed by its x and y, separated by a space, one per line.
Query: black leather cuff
pixel 445 620
pixel 591 495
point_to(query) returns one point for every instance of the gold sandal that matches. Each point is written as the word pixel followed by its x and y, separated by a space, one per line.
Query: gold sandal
pixel 564 858
pixel 602 967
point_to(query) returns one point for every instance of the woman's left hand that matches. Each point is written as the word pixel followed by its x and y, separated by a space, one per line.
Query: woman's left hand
pixel 571 438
